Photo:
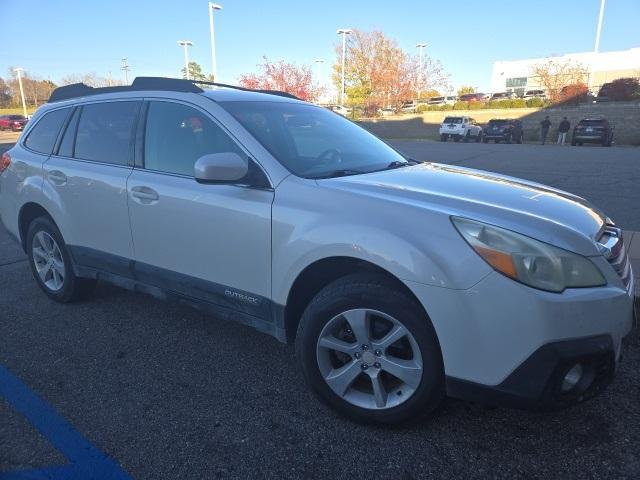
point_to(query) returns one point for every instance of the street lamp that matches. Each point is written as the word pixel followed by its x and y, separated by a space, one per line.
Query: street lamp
pixel 420 47
pixel 344 32
pixel 600 17
pixel 19 71
pixel 185 44
pixel 214 71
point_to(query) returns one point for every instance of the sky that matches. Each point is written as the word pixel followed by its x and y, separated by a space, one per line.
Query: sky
pixel 56 38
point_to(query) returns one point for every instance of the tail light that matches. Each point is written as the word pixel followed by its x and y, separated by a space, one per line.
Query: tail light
pixel 4 162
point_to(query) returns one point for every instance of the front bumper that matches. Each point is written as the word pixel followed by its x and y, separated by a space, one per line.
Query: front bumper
pixel 537 382
pixel 505 343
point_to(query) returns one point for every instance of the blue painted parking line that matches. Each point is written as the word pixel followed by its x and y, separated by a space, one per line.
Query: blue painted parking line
pixel 86 462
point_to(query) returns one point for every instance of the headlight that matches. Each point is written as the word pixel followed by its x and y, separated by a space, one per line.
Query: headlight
pixel 529 261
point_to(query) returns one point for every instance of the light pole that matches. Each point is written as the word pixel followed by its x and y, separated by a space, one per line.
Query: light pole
pixel 19 71
pixel 600 17
pixel 344 32
pixel 318 62
pixel 214 67
pixel 420 47
pixel 186 44
pixel 125 69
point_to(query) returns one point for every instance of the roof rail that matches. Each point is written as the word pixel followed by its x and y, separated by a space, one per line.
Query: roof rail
pixel 76 90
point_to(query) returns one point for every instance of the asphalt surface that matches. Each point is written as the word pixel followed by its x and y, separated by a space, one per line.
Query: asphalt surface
pixel 170 392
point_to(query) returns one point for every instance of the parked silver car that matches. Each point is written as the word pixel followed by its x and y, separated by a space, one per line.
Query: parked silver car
pixel 398 281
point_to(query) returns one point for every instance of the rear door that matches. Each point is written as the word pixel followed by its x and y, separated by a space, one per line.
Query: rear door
pixel 86 181
pixel 211 242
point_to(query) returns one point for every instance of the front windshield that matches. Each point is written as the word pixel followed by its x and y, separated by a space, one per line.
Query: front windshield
pixel 312 141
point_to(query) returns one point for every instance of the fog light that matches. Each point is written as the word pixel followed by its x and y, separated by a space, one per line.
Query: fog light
pixel 572 378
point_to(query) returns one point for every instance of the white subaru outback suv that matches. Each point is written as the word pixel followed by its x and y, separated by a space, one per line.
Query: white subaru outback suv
pixel 398 281
pixel 460 128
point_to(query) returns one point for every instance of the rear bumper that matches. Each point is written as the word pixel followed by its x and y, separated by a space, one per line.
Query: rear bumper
pixel 537 382
pixel 589 138
pixel 495 136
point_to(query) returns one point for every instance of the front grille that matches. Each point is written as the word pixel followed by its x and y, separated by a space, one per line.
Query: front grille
pixel 615 252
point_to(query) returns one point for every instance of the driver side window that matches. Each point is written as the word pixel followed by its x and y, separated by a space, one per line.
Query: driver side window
pixel 176 135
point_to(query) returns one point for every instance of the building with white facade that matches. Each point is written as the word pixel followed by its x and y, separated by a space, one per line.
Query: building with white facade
pixel 603 67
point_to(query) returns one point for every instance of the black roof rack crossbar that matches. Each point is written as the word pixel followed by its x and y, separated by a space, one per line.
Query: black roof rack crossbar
pixel 76 90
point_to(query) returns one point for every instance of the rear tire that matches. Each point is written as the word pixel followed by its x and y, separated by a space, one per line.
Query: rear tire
pixel 485 140
pixel 51 264
pixel 520 139
pixel 352 312
pixel 508 139
pixel 456 138
pixel 443 138
pixel 467 136
pixel 479 137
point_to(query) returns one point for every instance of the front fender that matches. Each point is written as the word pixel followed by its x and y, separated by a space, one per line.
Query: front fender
pixel 312 223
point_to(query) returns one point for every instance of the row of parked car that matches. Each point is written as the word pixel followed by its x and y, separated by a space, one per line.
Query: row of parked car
pixel 15 123
pixel 587 130
pixel 411 107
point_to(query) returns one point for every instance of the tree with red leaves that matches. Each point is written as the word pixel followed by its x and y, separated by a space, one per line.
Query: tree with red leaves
pixel 285 77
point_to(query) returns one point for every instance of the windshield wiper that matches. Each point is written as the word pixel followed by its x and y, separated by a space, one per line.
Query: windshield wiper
pixel 339 173
pixel 397 164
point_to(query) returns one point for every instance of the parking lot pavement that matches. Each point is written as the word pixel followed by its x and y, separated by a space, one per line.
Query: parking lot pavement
pixel 608 177
pixel 170 392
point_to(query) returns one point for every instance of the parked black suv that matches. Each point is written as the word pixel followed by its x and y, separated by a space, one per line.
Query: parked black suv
pixel 503 129
pixel 593 130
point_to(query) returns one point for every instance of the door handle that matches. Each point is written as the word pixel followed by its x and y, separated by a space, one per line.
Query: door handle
pixel 56 177
pixel 145 194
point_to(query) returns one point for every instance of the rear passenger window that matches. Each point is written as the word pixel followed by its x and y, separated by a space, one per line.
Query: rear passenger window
pixel 104 132
pixel 177 135
pixel 43 136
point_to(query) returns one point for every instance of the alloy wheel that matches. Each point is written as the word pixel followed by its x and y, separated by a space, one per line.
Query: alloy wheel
pixel 48 260
pixel 369 359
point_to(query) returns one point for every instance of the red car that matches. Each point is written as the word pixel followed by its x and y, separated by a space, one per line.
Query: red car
pixel 15 123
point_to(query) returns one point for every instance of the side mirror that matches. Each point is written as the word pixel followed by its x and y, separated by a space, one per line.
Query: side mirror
pixel 227 167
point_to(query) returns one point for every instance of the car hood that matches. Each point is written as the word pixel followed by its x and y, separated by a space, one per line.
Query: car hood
pixel 536 210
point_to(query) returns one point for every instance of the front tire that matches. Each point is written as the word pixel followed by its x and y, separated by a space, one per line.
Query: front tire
pixel 443 138
pixel 368 350
pixel 51 264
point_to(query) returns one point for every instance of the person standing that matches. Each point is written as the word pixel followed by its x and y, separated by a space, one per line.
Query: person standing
pixel 544 129
pixel 563 129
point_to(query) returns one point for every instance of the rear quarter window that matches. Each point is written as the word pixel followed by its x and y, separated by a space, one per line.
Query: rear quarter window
pixel 43 135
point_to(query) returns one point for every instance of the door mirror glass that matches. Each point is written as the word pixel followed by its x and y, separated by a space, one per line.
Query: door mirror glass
pixel 226 167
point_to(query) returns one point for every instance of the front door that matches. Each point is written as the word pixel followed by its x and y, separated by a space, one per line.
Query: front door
pixel 210 242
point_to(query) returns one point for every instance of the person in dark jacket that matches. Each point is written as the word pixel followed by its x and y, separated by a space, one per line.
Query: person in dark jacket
pixel 563 129
pixel 544 129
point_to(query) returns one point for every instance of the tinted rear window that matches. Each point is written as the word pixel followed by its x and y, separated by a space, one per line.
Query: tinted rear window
pixel 104 132
pixel 452 120
pixel 498 122
pixel 592 123
pixel 43 136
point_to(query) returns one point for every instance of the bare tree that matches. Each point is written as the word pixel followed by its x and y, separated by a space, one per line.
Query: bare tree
pixel 91 79
pixel 555 74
